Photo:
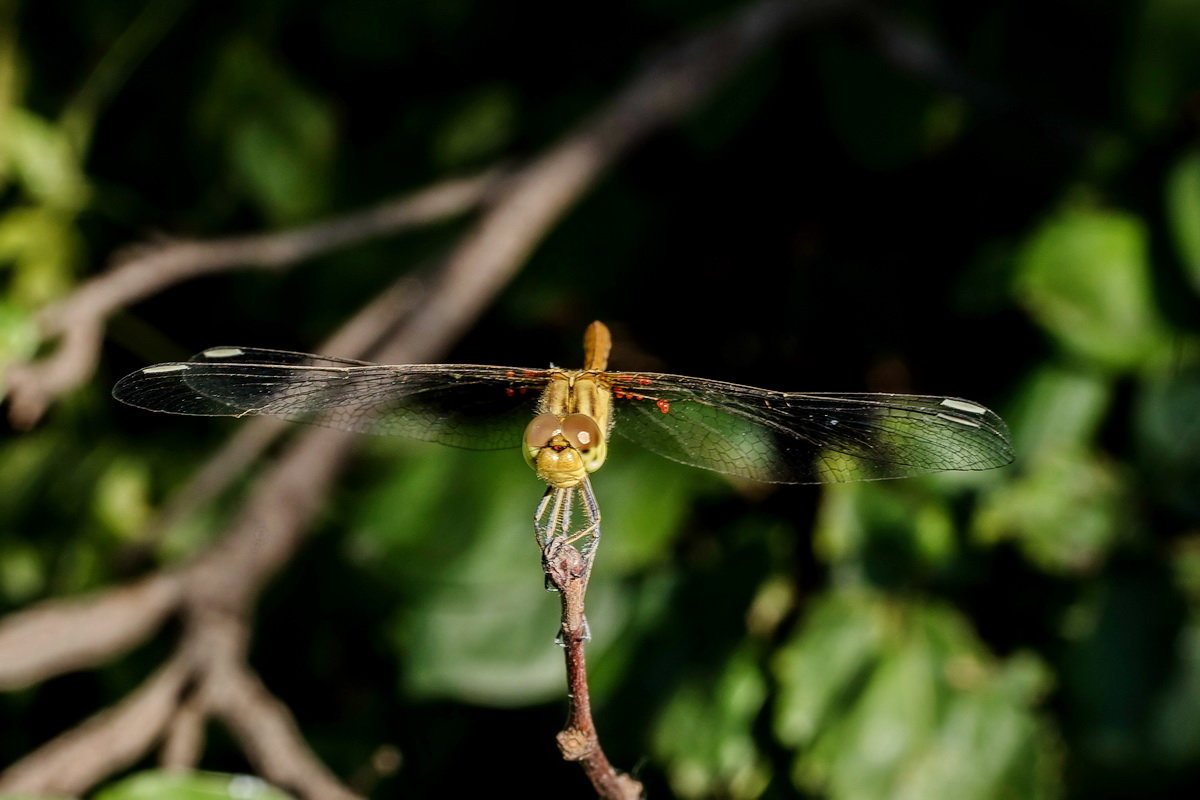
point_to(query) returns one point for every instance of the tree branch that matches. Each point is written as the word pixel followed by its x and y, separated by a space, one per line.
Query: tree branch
pixel 63 635
pixel 105 743
pixel 268 733
pixel 578 741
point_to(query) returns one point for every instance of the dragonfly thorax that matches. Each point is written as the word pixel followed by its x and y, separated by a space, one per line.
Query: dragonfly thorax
pixel 563 449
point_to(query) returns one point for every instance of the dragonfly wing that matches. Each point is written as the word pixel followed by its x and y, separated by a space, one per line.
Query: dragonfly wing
pixel 464 405
pixel 780 437
pixel 264 355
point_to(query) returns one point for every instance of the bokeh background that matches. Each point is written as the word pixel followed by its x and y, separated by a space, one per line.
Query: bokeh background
pixel 993 200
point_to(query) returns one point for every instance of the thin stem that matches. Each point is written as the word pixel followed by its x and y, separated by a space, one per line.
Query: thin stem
pixel 567 569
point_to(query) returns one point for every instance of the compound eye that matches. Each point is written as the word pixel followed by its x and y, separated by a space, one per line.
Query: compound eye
pixel 541 430
pixel 581 431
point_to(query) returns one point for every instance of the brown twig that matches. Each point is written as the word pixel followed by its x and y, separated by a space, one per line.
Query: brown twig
pixel 578 741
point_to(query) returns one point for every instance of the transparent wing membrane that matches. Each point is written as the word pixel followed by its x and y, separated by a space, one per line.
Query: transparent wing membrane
pixel 775 437
pixel 465 405
pixel 780 437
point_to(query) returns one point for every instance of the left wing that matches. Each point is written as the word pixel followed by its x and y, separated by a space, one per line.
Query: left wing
pixel 464 405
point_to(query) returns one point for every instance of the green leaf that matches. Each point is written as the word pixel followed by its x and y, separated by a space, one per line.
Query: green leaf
pixel 1085 277
pixel 452 530
pixel 910 706
pixel 1183 213
pixel 644 499
pixel 1164 62
pixel 1167 440
pixel 278 136
pixel 1058 407
pixel 158 785
pixel 1185 563
pixel 1119 640
pixel 22 571
pixel 39 155
pixel 888 528
pixel 706 733
pixel 122 500
pixel 480 128
pixel 1065 511
pixel 820 670
pixel 41 246
pixel 19 334
pixel 1173 724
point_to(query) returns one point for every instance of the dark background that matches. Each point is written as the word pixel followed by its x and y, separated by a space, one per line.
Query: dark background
pixel 992 200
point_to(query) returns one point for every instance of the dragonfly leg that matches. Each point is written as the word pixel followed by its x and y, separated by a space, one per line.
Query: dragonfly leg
pixel 567 570
pixel 591 511
pixel 560 638
pixel 541 528
pixel 568 552
pixel 552 518
pixel 553 515
pixel 552 525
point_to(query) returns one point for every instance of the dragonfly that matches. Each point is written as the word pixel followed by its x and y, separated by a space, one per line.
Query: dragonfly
pixel 562 419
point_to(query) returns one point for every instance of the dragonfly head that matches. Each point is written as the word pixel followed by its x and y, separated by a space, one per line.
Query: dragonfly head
pixel 563 450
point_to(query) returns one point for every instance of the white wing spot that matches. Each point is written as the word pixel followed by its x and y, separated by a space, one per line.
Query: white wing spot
pixel 962 420
pixel 223 352
pixel 964 405
pixel 164 368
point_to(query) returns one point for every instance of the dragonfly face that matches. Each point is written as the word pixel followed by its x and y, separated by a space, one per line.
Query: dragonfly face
pixel 763 435
pixel 569 436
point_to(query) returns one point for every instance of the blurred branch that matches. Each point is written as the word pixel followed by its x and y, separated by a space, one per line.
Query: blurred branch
pixel 260 722
pixel 217 591
pixel 355 339
pixel 144 270
pixel 63 635
pixel 268 733
pixel 103 744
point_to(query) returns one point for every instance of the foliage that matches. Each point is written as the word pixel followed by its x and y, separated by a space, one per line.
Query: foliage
pixel 154 785
pixel 1019 224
